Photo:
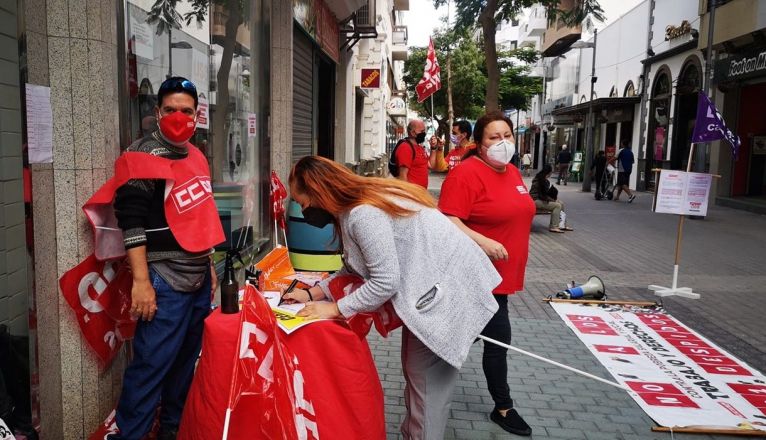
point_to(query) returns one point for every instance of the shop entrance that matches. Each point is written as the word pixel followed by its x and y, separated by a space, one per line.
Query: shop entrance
pixel 686 112
pixel 749 177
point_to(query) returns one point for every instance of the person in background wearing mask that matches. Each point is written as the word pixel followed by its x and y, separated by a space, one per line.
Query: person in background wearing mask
pixel 169 243
pixel 411 157
pixel 486 198
pixel 394 237
pixel 461 138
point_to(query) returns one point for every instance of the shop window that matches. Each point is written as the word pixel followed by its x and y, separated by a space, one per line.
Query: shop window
pixel 224 51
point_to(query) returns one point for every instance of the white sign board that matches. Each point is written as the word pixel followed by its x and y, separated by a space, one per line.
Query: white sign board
pixel 683 193
pixel 203 114
pixel 39 124
pixel 143 43
pixel 251 125
pixel 5 432
pixel 677 376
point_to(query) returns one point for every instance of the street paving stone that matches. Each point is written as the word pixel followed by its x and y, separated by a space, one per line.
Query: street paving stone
pixel 628 247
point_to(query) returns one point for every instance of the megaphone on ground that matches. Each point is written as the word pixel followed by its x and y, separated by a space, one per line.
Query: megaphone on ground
pixel 592 289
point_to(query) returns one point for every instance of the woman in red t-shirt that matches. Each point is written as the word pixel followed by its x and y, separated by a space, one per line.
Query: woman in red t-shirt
pixel 486 198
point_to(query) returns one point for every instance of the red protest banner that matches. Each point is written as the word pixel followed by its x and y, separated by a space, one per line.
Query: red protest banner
pixel 265 368
pixel 431 81
pixel 82 288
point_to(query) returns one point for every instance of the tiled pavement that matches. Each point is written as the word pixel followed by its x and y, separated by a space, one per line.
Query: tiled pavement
pixel 629 247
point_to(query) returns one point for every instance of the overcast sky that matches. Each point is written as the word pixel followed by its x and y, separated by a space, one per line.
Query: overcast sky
pixel 422 18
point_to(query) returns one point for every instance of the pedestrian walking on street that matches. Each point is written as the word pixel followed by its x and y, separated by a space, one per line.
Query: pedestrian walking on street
pixel 526 163
pixel 461 137
pixel 563 160
pixel 625 161
pixel 546 198
pixel 394 238
pixel 486 198
pixel 597 170
pixel 169 251
pixel 409 159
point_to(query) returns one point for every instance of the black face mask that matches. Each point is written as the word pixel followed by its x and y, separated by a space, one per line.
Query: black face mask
pixel 420 137
pixel 317 217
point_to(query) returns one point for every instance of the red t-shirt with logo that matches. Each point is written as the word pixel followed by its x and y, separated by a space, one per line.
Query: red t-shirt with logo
pixel 417 168
pixel 496 205
pixel 455 156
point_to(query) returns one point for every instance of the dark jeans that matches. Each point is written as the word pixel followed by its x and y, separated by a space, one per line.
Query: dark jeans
pixel 165 351
pixel 495 358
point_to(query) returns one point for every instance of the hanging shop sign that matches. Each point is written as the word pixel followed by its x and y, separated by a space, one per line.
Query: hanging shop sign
pixel 740 67
pixel 316 18
pixel 370 78
pixel 397 107
pixel 672 32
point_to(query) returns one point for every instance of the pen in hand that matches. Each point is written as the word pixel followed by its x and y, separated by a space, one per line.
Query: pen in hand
pixel 289 289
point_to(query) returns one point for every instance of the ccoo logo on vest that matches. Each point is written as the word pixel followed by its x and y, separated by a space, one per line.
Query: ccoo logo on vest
pixel 190 194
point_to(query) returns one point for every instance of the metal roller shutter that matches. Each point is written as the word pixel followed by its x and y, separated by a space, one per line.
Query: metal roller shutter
pixel 303 95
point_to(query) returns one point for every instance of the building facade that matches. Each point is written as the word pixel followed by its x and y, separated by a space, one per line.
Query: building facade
pixel 277 80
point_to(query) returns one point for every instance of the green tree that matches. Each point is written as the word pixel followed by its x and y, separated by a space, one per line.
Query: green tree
pixel 164 15
pixel 488 13
pixel 516 86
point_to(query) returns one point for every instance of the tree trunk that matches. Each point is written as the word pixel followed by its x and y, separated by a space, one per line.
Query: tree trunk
pixel 450 110
pixel 221 111
pixel 489 27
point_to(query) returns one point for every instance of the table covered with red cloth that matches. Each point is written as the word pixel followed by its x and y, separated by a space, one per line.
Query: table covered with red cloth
pixel 338 372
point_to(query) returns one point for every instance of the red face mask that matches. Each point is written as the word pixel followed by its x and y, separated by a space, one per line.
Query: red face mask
pixel 177 127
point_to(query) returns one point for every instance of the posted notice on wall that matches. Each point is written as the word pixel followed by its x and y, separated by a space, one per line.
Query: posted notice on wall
pixel 39 124
pixel 683 193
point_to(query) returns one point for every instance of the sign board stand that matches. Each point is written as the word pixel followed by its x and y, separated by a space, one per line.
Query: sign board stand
pixel 685 292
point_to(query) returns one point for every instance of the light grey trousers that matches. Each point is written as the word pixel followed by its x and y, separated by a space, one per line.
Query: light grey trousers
pixel 428 392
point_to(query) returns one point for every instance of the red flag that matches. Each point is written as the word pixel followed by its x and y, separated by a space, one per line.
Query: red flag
pixel 277 196
pixel 431 81
pixel 82 287
pixel 384 317
pixel 266 369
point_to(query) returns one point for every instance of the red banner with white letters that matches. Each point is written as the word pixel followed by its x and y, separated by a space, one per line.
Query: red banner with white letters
pixel 264 368
pixel 431 81
pixel 98 292
pixel 677 376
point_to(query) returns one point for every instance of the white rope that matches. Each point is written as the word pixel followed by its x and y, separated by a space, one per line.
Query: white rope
pixel 566 367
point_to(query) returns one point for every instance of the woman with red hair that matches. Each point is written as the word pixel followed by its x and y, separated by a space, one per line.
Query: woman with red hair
pixel 393 237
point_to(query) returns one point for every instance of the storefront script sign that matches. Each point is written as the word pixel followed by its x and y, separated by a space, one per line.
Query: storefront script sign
pixel 740 67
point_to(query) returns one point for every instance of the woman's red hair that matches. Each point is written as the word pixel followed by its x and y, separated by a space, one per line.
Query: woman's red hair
pixel 333 187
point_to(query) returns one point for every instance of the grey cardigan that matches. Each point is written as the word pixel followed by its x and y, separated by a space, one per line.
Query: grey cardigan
pixel 403 259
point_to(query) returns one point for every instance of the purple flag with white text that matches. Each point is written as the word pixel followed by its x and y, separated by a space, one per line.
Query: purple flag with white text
pixel 710 126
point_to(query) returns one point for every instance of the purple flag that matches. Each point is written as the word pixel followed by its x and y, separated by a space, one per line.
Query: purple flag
pixel 710 126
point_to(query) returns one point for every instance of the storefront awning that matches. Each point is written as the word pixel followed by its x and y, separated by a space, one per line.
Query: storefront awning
pixel 599 105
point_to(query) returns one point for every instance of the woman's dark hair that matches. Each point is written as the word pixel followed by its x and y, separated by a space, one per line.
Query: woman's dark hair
pixel 464 127
pixel 543 173
pixel 481 124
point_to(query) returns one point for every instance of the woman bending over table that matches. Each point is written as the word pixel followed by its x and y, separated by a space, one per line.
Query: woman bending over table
pixel 393 237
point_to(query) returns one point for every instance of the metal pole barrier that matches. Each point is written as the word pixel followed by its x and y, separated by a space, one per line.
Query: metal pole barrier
pixel 566 367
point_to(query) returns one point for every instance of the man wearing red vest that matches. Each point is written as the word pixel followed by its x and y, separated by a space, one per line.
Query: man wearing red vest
pixel 164 207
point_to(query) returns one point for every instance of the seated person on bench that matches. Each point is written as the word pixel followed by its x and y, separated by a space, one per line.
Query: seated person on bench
pixel 545 197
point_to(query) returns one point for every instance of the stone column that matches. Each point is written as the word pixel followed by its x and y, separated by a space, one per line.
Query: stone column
pixel 280 120
pixel 71 47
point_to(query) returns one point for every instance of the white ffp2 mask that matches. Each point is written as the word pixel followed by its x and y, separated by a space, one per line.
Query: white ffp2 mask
pixel 501 153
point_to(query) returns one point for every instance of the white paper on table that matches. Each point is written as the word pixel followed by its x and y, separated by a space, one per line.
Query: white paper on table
pixel 39 124
pixel 310 278
pixel 285 314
